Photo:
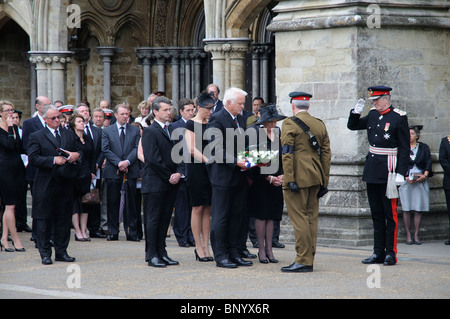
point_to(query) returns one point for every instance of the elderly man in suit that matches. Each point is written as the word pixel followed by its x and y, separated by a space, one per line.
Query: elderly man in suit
pixel 160 182
pixel 119 146
pixel 229 219
pixel 306 165
pixel 52 191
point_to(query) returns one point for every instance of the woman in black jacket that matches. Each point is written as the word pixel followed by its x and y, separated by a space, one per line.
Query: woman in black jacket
pixel 415 191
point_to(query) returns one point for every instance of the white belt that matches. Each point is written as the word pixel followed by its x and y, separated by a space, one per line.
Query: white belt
pixel 391 189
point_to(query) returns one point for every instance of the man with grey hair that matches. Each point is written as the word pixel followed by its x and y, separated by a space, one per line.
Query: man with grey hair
pixel 229 219
pixel 53 186
pixel 306 156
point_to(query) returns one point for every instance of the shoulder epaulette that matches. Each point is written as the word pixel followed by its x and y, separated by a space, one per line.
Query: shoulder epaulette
pixel 398 111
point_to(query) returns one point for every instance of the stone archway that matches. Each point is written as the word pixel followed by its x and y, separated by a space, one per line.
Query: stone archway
pixel 16 78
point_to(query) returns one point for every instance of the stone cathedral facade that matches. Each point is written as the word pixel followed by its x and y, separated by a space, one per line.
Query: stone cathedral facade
pixel 123 50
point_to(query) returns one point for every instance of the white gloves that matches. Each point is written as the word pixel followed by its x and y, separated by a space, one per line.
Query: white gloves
pixel 359 107
pixel 399 179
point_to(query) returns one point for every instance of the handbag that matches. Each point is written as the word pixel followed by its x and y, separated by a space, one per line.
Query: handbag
pixel 91 198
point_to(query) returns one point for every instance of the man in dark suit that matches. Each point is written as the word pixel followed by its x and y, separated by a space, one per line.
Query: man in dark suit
pixel 30 126
pixel 159 184
pixel 119 146
pixel 229 220
pixel 182 215
pixel 444 159
pixel 52 195
pixel 95 134
pixel 214 91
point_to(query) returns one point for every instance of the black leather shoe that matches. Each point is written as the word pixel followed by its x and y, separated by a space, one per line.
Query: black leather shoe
pixel 226 264
pixel 133 238
pixel 247 254
pixel 296 267
pixel 112 237
pixel 65 258
pixel 156 262
pixel 374 259
pixel 169 261
pixel 183 244
pixel 241 262
pixel 46 261
pixel 278 245
pixel 389 261
pixel 24 228
pixel 97 234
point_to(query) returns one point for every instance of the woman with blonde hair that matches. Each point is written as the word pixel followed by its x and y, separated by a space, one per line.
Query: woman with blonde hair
pixel 12 176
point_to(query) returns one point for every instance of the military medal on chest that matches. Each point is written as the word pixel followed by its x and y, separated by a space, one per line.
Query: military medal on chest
pixel 386 129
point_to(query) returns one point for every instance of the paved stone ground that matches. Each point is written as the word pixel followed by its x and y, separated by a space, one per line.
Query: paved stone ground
pixel 118 270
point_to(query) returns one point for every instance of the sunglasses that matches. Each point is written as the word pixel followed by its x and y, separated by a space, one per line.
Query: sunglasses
pixel 52 118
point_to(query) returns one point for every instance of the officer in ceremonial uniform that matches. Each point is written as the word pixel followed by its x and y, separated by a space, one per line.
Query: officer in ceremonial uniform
pixel 385 166
pixel 306 164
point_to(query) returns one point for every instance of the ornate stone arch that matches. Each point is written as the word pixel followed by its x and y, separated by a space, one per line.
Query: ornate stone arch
pixel 20 13
pixel 240 14
pixel 136 26
pixel 191 23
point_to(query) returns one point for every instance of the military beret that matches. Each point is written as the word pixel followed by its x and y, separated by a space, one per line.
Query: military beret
pixel 160 93
pixel 302 96
pixel 375 92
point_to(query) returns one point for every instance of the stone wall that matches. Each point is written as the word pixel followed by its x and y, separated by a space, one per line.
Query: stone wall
pixel 334 55
pixel 14 67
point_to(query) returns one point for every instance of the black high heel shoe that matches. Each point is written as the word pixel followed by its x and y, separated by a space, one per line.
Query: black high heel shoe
pixel 79 239
pixel 18 249
pixel 197 257
pixel 263 261
pixel 9 250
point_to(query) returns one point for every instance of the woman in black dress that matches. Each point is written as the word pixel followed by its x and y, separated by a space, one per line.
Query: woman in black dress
pixel 12 175
pixel 197 177
pixel 265 197
pixel 83 182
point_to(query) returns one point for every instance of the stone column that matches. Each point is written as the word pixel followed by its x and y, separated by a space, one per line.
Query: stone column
pixel 197 56
pixel 107 53
pixel 255 72
pixel 50 73
pixel 228 57
pixel 175 62
pixel 144 56
pixel 81 56
pixel 160 54
pixel 187 72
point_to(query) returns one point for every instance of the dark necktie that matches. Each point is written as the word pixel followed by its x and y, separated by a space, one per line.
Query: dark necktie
pixel 58 138
pixel 88 131
pixel 236 121
pixel 122 136
pixel 166 130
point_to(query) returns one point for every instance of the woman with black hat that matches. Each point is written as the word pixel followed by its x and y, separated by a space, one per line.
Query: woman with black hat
pixel 415 192
pixel 265 195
